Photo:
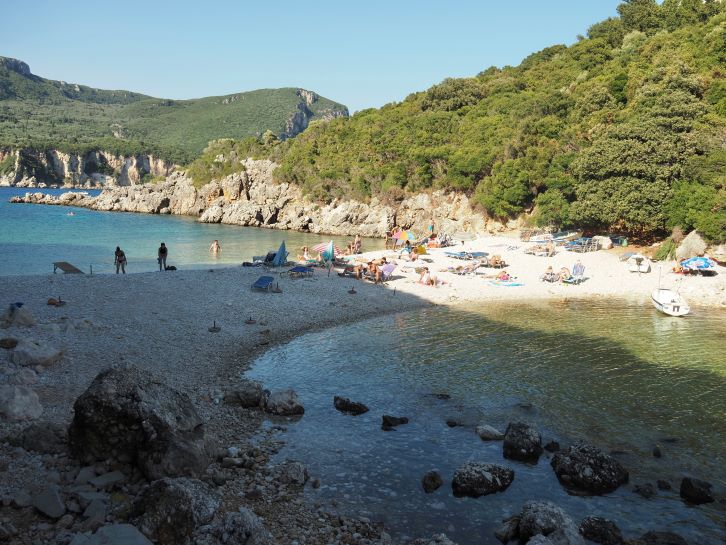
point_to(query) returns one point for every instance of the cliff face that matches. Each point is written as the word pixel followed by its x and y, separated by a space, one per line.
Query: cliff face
pixel 252 198
pixel 48 168
pixel 300 119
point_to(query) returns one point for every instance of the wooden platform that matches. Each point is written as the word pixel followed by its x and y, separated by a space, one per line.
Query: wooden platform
pixel 66 267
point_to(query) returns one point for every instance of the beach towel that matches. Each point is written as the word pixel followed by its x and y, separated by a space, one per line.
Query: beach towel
pixel 504 283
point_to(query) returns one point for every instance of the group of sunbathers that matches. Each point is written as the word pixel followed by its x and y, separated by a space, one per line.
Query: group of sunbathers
pixel 372 270
pixel 578 271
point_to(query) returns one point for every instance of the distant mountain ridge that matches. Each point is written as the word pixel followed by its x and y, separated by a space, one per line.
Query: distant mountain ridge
pixel 47 114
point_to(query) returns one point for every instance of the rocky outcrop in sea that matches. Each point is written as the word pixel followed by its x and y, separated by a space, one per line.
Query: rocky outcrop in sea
pixel 253 198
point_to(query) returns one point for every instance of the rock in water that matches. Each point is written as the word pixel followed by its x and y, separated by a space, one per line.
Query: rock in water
pixel 291 472
pixel 8 343
pixel 475 479
pixel 522 442
pixel 284 403
pixel 129 415
pixel 696 491
pixel 345 405
pixel 584 468
pixel 547 519
pixel 600 530
pixel 662 538
pixel 389 422
pixel 431 481
pixel 33 352
pixel 170 509
pixel 488 433
pixel 19 403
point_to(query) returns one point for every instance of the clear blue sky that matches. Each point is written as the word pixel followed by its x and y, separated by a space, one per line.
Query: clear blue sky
pixel 362 53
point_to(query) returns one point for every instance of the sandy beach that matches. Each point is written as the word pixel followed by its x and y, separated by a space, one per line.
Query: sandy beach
pixel 160 322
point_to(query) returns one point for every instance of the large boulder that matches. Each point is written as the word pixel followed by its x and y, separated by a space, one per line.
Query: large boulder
pixel 284 403
pixel 431 481
pixel 476 479
pixel 34 352
pixel 522 442
pixel 691 246
pixel 247 394
pixel 696 491
pixel 489 433
pixel 601 530
pixel 584 468
pixel 547 519
pixel 170 510
pixel 129 415
pixel 19 403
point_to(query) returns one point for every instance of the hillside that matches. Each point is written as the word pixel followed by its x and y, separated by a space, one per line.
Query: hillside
pixel 624 130
pixel 47 114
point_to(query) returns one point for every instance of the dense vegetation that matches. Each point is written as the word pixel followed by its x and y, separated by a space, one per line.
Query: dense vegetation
pixel 625 130
pixel 45 114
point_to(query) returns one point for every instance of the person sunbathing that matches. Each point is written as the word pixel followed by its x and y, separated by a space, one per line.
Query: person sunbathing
pixel 496 261
pixel 426 279
pixel 549 275
pixel 503 276
pixel 564 274
pixel 305 256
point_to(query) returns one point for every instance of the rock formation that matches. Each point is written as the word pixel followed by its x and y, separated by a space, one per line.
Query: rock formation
pixel 253 198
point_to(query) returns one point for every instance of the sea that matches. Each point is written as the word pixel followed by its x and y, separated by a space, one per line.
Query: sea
pixel 33 237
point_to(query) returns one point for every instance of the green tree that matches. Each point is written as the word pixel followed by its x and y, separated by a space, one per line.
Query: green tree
pixel 642 15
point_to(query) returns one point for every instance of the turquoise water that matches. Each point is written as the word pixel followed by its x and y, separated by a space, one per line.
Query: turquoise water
pixel 32 237
pixel 622 377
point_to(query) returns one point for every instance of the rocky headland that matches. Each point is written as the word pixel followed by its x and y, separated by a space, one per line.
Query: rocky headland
pixel 253 198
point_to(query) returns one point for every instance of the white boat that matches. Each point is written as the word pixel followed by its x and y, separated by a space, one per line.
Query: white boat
pixel 566 236
pixel 638 263
pixel 669 302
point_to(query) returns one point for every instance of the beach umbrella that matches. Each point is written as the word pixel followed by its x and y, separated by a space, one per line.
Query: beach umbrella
pixel 331 249
pixel 280 256
pixel 404 235
pixel 697 263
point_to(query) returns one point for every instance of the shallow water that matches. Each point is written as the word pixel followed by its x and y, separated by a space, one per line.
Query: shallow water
pixel 32 237
pixel 620 376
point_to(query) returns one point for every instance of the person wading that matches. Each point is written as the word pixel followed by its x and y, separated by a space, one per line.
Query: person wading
pixel 120 260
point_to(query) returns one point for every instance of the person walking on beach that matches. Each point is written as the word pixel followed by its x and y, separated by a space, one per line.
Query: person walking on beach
pixel 120 260
pixel 215 248
pixel 161 256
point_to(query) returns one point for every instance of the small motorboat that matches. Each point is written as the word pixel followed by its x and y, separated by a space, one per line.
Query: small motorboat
pixel 669 302
pixel 566 236
pixel 638 263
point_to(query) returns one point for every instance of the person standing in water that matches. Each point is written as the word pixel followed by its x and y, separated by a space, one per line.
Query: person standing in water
pixel 215 248
pixel 120 260
pixel 161 256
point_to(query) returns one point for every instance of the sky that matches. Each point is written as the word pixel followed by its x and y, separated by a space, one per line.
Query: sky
pixel 360 53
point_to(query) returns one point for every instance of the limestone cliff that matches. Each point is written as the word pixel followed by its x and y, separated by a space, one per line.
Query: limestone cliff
pixel 253 198
pixel 53 168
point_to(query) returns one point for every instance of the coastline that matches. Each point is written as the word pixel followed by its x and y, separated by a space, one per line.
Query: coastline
pixel 159 322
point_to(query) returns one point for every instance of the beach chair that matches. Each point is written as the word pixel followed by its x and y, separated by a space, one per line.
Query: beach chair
pixel 578 277
pixel 300 271
pixel 263 283
pixel 387 271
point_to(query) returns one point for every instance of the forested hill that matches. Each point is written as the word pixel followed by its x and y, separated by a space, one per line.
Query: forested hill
pixel 625 129
pixel 46 114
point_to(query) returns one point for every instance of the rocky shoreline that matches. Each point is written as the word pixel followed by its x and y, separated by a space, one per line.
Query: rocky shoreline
pixel 253 198
pixel 166 445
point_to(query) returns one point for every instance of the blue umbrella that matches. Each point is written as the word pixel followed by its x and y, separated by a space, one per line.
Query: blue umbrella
pixel 697 263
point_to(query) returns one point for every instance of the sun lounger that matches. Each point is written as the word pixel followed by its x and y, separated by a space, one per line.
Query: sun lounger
pixel 66 267
pixel 387 271
pixel 299 271
pixel 263 283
